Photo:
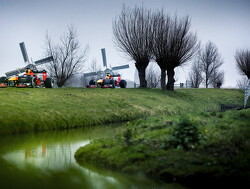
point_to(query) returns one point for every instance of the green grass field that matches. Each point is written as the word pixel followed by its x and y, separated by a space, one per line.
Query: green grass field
pixel 27 110
pixel 184 138
pixel 173 136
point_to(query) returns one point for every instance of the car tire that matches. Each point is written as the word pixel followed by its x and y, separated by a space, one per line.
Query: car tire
pixel 49 83
pixel 33 82
pixel 92 82
pixel 112 82
pixel 123 84
pixel 106 81
pixel 3 79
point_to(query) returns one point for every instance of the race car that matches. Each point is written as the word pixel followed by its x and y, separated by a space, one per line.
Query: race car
pixel 3 82
pixel 29 79
pixel 108 82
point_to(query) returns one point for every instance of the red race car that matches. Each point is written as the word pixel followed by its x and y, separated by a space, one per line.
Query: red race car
pixel 108 82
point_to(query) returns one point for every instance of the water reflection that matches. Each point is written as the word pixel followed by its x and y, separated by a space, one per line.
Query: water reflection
pixel 50 154
pixel 45 157
pixel 35 153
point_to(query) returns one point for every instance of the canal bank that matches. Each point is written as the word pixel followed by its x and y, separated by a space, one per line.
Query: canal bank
pixel 24 112
pixel 46 160
pixel 192 149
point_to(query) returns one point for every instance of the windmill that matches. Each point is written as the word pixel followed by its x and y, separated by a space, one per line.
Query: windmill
pixel 29 65
pixel 28 76
pixel 110 70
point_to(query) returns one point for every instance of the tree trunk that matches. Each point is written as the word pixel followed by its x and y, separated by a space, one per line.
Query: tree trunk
pixel 170 84
pixel 60 84
pixel 163 79
pixel 206 80
pixel 142 74
pixel 206 83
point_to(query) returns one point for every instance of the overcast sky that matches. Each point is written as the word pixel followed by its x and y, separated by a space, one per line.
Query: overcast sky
pixel 224 22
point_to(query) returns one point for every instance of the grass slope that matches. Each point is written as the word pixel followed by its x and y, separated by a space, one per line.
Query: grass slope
pixel 26 110
pixel 189 141
pixel 170 135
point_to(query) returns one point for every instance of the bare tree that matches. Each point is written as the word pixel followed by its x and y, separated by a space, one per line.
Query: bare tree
pixel 183 45
pixel 242 58
pixel 84 81
pixel 93 66
pixel 132 35
pixel 174 45
pixel 210 60
pixel 153 76
pixel 195 76
pixel 68 56
pixel 242 83
pixel 217 79
pixel 161 35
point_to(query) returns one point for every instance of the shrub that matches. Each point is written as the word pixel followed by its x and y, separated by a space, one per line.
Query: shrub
pixel 185 134
pixel 127 136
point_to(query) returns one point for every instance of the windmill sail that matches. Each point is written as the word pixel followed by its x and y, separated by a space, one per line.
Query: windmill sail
pixel 24 52
pixel 120 67
pixel 44 60
pixel 13 72
pixel 90 74
pixel 26 60
pixel 107 70
pixel 19 70
pixel 104 57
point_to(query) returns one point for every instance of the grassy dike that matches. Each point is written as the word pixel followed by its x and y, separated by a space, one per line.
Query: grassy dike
pixel 184 138
pixel 28 110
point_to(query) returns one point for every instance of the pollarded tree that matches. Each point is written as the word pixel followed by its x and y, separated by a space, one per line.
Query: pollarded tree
pixel 183 46
pixel 210 60
pixel 174 45
pixel 161 34
pixel 242 58
pixel 132 31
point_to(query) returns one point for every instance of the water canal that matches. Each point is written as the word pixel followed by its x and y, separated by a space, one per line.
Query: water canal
pixel 46 160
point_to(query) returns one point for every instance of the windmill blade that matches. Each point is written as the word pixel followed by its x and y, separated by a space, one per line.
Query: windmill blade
pixel 30 66
pixel 19 70
pixel 120 67
pixel 24 52
pixel 104 57
pixel 13 72
pixel 90 74
pixel 44 60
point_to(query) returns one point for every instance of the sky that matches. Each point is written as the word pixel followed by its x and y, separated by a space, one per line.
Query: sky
pixel 224 22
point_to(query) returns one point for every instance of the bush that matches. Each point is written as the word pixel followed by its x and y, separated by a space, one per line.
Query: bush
pixel 127 136
pixel 185 134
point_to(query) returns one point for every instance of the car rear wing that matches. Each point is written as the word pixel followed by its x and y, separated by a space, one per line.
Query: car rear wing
pixel 119 77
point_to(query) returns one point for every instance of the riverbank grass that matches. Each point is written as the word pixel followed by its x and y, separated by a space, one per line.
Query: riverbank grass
pixel 184 145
